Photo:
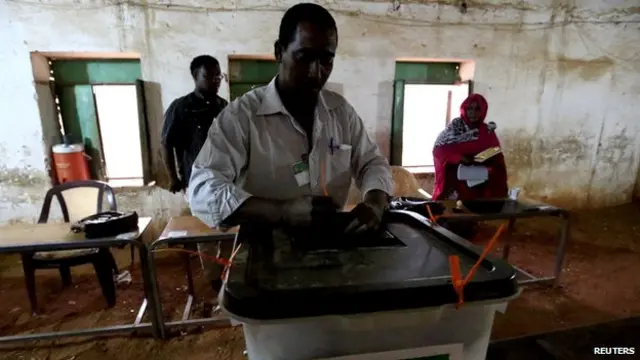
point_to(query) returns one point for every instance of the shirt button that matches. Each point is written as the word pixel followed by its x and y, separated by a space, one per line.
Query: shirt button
pixel 208 103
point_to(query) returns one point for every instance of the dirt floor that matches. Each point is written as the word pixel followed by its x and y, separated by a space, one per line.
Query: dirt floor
pixel 600 283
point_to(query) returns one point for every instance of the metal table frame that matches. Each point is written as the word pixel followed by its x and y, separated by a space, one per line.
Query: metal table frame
pixel 152 303
pixel 563 235
pixel 137 325
pixel 162 326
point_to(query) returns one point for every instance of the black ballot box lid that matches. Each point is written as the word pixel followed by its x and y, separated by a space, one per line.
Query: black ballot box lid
pixel 404 266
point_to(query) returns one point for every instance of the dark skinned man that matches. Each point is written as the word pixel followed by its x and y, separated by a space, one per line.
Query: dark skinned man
pixel 188 119
pixel 285 151
pixel 184 131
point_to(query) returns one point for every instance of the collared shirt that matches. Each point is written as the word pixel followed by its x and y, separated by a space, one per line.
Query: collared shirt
pixel 185 127
pixel 253 145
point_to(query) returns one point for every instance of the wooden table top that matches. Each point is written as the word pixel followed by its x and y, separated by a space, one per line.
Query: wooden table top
pixel 53 233
pixel 180 226
pixel 451 204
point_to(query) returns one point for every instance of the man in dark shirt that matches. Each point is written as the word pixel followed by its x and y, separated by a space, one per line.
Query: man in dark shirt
pixel 186 124
pixel 188 119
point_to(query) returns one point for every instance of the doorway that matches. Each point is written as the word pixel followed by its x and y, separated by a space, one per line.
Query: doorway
pixel 117 111
pixel 101 103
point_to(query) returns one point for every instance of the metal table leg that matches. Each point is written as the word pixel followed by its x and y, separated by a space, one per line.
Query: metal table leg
pixel 507 243
pixel 161 327
pixel 134 327
pixel 186 259
pixel 149 301
pixel 159 330
pixel 554 280
pixel 563 236
pixel 141 311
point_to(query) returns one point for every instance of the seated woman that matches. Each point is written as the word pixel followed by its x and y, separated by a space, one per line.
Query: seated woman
pixel 459 143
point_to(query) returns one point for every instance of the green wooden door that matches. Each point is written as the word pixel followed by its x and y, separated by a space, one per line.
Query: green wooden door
pixel 244 75
pixel 80 72
pixel 237 90
pixel 397 122
pixel 427 73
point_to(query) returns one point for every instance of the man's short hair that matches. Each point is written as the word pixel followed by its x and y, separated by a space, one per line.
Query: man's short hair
pixel 304 12
pixel 200 61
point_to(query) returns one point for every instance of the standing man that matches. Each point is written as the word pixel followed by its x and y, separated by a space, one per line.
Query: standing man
pixel 280 152
pixel 184 131
pixel 188 120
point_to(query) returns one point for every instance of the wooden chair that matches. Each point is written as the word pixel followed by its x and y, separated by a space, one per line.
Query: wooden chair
pixel 77 200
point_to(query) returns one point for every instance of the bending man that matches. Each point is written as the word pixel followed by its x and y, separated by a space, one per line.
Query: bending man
pixel 275 152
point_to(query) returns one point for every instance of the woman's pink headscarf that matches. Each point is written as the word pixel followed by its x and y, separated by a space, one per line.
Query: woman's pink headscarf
pixel 483 107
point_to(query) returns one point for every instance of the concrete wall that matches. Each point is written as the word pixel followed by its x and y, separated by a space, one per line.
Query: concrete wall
pixel 561 77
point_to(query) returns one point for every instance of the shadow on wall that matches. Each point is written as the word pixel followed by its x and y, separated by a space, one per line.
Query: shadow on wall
pixel 50 126
pixel 385 114
pixel 155 118
pixel 45 90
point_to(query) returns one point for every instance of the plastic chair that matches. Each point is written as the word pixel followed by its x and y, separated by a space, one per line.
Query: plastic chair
pixel 77 200
pixel 404 183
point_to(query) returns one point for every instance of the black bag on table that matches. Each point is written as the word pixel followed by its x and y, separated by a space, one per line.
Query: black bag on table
pixel 106 224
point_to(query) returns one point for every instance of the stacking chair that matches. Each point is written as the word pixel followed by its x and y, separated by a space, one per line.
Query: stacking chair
pixel 404 182
pixel 77 200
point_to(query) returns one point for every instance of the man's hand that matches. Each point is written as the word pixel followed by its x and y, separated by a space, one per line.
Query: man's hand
pixel 368 214
pixel 176 185
pixel 302 211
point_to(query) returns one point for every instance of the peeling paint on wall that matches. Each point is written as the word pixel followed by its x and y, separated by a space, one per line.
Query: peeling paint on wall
pixel 587 69
pixel 22 178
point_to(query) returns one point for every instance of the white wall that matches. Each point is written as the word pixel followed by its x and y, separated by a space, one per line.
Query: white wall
pixel 565 96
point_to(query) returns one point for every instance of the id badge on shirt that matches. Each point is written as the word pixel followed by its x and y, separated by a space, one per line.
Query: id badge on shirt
pixel 301 172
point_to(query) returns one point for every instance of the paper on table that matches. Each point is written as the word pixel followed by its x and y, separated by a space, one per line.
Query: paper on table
pixel 472 183
pixel 128 235
pixel 474 175
pixel 177 233
pixel 473 172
